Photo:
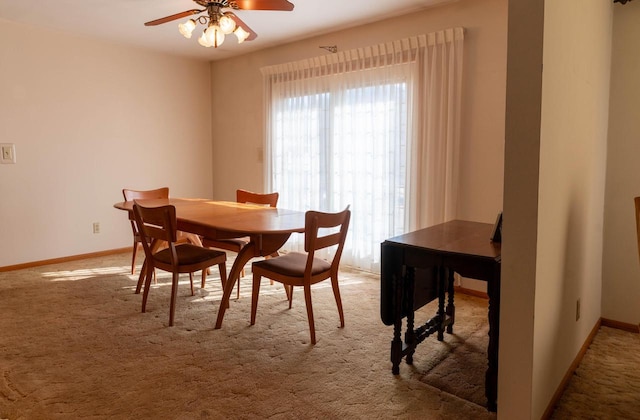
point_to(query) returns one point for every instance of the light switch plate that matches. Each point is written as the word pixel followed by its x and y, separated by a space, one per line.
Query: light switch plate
pixel 7 153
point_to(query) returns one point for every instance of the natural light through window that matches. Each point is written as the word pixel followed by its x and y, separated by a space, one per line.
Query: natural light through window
pixel 346 147
pixel 375 128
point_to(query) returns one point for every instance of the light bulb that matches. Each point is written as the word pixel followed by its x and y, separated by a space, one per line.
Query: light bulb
pixel 187 28
pixel 227 24
pixel 241 34
pixel 214 35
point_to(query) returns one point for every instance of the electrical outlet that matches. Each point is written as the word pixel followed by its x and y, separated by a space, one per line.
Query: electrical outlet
pixel 577 309
pixel 96 227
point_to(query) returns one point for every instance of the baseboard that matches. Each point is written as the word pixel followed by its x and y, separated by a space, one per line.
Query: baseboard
pixel 471 292
pixel 567 377
pixel 64 259
pixel 620 325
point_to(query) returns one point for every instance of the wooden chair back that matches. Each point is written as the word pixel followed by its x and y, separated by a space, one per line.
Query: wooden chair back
pixel 244 196
pixel 156 224
pixel 324 230
pixel 130 195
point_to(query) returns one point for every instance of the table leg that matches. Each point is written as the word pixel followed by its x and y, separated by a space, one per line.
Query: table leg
pixel 451 309
pixel 259 245
pixel 409 336
pixel 491 378
pixel 396 343
pixel 245 254
pixel 441 297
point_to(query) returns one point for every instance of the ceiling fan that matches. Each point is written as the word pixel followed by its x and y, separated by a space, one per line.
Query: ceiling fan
pixel 219 21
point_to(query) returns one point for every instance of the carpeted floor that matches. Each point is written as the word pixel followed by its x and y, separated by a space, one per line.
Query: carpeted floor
pixel 606 385
pixel 73 344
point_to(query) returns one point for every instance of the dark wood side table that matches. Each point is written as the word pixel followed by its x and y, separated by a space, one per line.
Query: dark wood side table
pixel 457 246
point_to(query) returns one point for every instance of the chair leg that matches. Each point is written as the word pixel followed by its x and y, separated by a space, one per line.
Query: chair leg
pixel 289 291
pixel 174 292
pixel 191 283
pixel 133 258
pixel 254 297
pixel 204 277
pixel 275 254
pixel 241 276
pixel 142 276
pixel 147 286
pixel 307 298
pixel 336 294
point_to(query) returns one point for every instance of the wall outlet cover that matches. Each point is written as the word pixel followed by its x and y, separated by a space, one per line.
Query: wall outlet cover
pixel 7 153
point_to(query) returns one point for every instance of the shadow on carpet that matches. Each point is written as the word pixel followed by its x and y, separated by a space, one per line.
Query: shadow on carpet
pixel 462 372
pixel 457 365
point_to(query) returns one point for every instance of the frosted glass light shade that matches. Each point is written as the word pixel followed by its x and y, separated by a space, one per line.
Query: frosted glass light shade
pixel 227 24
pixel 186 28
pixel 204 41
pixel 241 34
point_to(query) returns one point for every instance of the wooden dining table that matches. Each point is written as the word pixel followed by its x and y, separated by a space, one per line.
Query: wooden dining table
pixel 267 228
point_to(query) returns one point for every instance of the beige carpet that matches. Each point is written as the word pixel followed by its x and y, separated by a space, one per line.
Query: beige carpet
pixel 460 364
pixel 606 385
pixel 73 344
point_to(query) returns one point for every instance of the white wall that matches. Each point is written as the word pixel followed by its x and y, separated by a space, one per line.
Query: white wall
pixel 564 221
pixel 573 149
pixel 621 269
pixel 519 239
pixel 238 108
pixel 90 118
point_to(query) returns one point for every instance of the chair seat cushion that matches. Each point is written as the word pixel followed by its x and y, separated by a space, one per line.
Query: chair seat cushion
pixel 188 254
pixel 292 264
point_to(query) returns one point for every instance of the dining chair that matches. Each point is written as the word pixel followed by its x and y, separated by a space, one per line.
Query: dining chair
pixel 161 193
pixel 130 195
pixel 322 230
pixel 159 224
pixel 236 244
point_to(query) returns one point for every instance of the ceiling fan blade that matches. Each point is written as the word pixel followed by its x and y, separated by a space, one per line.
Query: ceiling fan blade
pixel 262 4
pixel 240 23
pixel 173 17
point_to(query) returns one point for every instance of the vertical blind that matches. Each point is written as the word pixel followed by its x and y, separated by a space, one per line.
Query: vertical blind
pixel 375 128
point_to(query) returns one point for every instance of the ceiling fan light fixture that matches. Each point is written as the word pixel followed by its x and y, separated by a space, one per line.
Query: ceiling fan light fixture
pixel 186 28
pixel 241 34
pixel 213 35
pixel 227 24
pixel 218 22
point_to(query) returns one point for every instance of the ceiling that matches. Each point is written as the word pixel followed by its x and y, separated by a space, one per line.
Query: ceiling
pixel 122 21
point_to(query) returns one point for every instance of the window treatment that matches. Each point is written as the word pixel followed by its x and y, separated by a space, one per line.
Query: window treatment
pixel 375 128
